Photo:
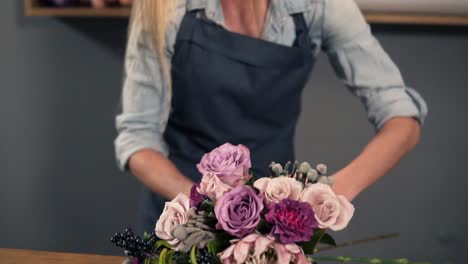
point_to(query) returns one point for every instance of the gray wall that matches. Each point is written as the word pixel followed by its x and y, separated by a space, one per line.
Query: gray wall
pixel 60 190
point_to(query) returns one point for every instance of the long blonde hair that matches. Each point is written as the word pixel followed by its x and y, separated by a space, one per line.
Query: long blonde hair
pixel 153 16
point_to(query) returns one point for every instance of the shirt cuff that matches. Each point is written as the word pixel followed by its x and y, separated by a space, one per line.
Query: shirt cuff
pixel 126 144
pixel 392 103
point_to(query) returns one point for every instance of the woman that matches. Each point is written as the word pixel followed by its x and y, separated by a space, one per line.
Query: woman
pixel 200 73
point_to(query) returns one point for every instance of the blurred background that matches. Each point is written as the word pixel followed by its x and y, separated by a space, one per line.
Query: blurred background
pixel 60 189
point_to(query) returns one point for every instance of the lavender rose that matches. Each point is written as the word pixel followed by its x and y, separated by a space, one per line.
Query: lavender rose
pixel 230 163
pixel 174 214
pixel 292 221
pixel 331 211
pixel 238 211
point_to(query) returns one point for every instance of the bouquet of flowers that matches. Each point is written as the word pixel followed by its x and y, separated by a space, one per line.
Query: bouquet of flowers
pixel 232 217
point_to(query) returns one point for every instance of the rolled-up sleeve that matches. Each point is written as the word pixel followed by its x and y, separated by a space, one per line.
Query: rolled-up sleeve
pixel 367 70
pixel 141 123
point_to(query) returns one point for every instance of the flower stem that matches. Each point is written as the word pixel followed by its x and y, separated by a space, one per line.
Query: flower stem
pixel 344 259
pixel 359 241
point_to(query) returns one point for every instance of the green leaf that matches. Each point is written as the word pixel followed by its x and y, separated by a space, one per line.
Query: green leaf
pixel 263 227
pixel 346 259
pixel 146 236
pixel 169 255
pixel 162 256
pixel 217 245
pixel 211 246
pixel 161 243
pixel 251 181
pixel 328 240
pixel 193 254
pixel 207 206
pixel 309 247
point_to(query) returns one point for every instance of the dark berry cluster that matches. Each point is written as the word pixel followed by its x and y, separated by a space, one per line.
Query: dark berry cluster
pixel 204 257
pixel 133 245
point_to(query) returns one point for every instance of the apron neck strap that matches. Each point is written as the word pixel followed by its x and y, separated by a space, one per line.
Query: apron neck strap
pixel 302 32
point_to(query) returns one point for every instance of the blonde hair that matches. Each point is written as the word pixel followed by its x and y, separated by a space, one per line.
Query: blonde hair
pixel 153 17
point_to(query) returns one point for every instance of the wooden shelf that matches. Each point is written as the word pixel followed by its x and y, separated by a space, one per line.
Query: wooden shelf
pixel 32 8
pixel 416 19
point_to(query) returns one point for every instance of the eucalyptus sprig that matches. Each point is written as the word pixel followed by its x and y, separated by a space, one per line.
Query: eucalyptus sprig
pixel 195 231
pixel 302 172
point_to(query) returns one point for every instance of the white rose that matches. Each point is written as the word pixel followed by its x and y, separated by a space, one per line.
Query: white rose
pixel 279 188
pixel 331 211
pixel 213 187
pixel 174 214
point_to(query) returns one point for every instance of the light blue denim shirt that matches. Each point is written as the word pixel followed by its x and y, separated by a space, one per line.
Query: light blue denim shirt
pixel 337 27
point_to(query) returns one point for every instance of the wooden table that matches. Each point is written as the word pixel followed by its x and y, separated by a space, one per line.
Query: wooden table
pixel 10 256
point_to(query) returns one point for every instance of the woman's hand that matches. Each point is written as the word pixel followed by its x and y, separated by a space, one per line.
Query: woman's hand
pixel 397 137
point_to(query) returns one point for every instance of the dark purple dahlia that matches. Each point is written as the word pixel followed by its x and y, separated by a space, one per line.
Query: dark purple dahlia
pixel 196 199
pixel 292 221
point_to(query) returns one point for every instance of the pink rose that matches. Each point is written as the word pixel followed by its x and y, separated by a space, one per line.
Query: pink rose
pixel 279 188
pixel 331 211
pixel 253 247
pixel 174 214
pixel 290 253
pixel 230 163
pixel 213 187
pixel 241 250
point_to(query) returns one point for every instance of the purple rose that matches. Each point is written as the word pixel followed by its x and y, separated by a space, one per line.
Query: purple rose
pixel 238 211
pixel 229 163
pixel 292 221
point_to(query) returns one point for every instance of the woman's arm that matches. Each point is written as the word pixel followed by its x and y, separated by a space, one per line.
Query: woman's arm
pixel 395 110
pixel 140 145
pixel 397 137
pixel 159 174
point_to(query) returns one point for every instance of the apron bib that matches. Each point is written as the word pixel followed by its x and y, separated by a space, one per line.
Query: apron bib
pixel 228 87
